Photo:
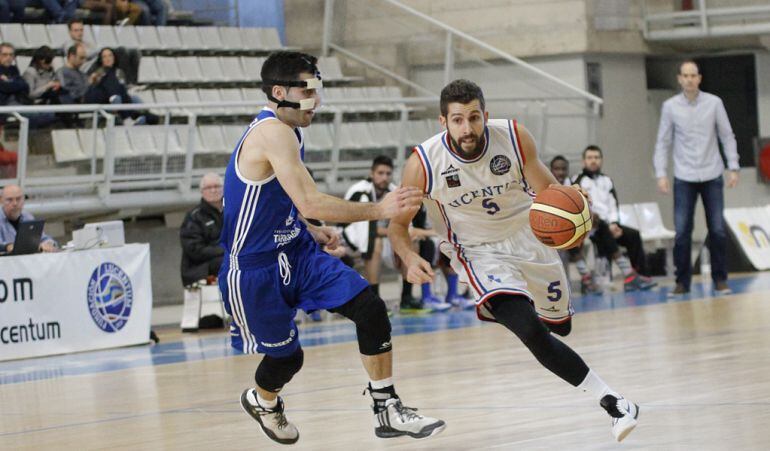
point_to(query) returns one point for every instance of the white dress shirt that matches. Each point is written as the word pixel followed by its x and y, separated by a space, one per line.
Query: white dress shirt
pixel 693 127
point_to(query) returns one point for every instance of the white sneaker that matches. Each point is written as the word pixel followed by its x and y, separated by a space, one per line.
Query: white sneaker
pixel 396 420
pixel 273 422
pixel 623 413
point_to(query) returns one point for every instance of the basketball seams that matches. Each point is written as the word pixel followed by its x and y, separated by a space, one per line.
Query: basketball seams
pixel 573 225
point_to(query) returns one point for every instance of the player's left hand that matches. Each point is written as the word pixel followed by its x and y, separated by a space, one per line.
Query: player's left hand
pixel 326 236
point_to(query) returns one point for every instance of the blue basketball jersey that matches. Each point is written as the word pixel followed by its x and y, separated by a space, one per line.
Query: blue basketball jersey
pixel 259 217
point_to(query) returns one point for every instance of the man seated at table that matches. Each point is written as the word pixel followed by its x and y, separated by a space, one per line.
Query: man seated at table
pixel 12 215
pixel 201 253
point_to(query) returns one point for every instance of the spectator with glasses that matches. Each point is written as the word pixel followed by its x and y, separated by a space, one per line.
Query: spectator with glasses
pixel 201 253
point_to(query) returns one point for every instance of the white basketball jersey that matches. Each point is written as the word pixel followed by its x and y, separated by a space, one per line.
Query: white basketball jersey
pixel 477 201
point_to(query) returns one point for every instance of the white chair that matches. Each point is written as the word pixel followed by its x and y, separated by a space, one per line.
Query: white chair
pixel 148 70
pixel 651 223
pixel 235 95
pixel 212 96
pixel 191 38
pixel 166 96
pixel 36 35
pixel 210 38
pixel 211 66
pixel 232 134
pixel 212 139
pixel 126 37
pixel 252 67
pixel 319 137
pixel 330 69
pixel 142 141
pixel 14 33
pixel 58 35
pixel 190 95
pixel 269 39
pixel 66 146
pixel 121 144
pixel 651 228
pixel 168 69
pixel 230 68
pixel 189 68
pixel 201 300
pixel 148 38
pixel 627 214
pixel 160 134
pixel 255 95
pixel 171 39
pixel 104 36
pixel 231 38
pixel 87 141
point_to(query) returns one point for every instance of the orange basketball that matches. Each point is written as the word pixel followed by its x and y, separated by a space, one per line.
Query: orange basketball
pixel 560 217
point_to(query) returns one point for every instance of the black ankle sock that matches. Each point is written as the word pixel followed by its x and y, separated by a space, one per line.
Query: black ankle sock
pixel 406 289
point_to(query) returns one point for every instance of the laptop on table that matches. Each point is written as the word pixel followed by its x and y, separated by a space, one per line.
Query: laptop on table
pixel 28 238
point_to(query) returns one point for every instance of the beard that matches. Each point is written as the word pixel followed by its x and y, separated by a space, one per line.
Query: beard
pixel 476 150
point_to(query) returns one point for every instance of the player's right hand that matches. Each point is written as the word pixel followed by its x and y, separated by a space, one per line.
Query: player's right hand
pixel 418 270
pixel 404 200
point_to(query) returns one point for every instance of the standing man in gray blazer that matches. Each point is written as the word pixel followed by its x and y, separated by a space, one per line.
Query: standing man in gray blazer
pixel 691 122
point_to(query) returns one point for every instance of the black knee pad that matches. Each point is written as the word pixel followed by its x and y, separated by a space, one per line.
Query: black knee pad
pixel 370 315
pixel 274 372
pixel 562 329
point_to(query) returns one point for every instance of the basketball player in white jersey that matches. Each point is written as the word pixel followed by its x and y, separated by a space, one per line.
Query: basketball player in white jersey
pixel 479 177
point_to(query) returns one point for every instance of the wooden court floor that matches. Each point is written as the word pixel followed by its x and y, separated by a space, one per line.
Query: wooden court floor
pixel 700 370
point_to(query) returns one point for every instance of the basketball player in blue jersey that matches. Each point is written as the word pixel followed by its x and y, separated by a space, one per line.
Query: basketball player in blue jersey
pixel 273 264
pixel 479 176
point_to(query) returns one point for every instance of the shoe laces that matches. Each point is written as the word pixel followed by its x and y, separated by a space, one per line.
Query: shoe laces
pixel 406 413
pixel 280 418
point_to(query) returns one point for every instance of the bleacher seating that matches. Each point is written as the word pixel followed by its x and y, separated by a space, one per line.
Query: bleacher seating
pixel 134 141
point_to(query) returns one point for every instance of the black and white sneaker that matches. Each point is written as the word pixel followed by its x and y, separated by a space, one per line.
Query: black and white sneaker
pixel 395 419
pixel 623 413
pixel 273 422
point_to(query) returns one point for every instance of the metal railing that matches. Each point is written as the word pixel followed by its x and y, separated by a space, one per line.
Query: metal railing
pixel 705 21
pixel 102 184
pixel 558 99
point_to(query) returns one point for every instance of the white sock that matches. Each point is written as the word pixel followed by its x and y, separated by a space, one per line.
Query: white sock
pixel 382 383
pixel 265 403
pixel 594 385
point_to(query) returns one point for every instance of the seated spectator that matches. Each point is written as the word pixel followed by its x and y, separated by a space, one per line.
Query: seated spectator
pixel 73 81
pixel 14 90
pixel 12 215
pixel 154 12
pixel 608 233
pixel 59 11
pixel 44 88
pixel 128 59
pixel 127 12
pixel 108 86
pixel 367 237
pixel 201 253
pixel 12 10
pixel 106 6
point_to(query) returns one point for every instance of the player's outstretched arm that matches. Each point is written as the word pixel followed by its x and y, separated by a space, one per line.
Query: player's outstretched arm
pixel 417 269
pixel 537 174
pixel 278 144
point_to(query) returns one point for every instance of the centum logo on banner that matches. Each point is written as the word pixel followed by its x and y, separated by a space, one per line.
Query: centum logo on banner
pixel 755 235
pixel 110 297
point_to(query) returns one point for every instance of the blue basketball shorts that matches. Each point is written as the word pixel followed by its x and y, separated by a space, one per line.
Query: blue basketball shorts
pixel 263 298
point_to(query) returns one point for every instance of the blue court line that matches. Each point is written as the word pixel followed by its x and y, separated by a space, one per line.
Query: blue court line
pixel 202 348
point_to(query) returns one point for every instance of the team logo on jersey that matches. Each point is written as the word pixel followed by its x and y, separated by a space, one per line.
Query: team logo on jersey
pixel 110 297
pixel 452 177
pixel 500 165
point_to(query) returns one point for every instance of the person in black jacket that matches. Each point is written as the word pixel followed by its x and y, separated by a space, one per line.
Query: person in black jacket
pixel 201 253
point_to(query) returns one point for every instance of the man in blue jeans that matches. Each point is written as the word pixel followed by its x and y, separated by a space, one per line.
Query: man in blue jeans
pixel 692 121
